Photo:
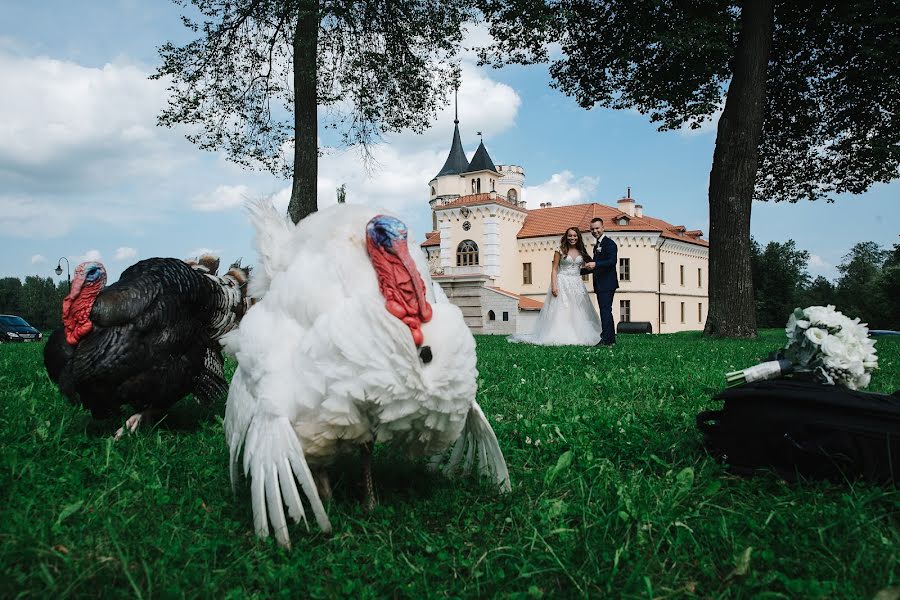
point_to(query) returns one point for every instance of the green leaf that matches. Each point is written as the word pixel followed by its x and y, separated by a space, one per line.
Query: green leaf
pixel 68 511
pixel 685 479
pixel 712 487
pixel 743 562
pixel 562 463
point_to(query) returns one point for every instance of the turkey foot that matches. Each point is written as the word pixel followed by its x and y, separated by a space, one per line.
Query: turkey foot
pixel 134 421
pixel 368 484
pixel 323 484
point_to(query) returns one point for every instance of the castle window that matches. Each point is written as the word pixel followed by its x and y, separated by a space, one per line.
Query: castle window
pixel 478 185
pixel 467 254
pixel 623 221
pixel 492 186
pixel 433 191
pixel 682 312
pixel 505 316
pixel 473 186
pixel 699 312
pixel 699 277
pixel 662 312
pixel 526 273
pixel 624 269
pixel 682 277
pixel 662 272
pixel 511 196
pixel 491 316
pixel 625 310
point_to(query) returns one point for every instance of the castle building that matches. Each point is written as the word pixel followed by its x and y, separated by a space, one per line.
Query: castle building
pixel 493 257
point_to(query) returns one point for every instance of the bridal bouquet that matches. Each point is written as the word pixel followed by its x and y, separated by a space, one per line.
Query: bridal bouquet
pixel 823 344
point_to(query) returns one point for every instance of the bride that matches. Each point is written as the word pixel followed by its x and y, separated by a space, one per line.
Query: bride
pixel 568 316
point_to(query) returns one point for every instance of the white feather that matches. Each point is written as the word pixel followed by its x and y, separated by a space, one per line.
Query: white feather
pixel 324 368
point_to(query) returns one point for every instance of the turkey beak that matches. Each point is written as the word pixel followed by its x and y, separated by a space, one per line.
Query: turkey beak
pixel 402 252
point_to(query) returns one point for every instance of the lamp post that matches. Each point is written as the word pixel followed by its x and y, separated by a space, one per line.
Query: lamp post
pixel 59 269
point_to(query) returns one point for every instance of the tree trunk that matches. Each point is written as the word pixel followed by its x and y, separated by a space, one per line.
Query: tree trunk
pixel 732 310
pixel 306 148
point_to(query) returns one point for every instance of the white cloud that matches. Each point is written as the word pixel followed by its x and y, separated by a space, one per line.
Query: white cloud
pixel 484 105
pixel 90 255
pixel 38 259
pixel 819 266
pixel 125 253
pixel 198 252
pixel 85 125
pixel 561 189
pixel 223 198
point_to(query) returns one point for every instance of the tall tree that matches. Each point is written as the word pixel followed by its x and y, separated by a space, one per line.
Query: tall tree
pixel 809 93
pixel 819 292
pixel 858 292
pixel 251 83
pixel 779 279
pixel 41 306
pixel 889 286
pixel 10 296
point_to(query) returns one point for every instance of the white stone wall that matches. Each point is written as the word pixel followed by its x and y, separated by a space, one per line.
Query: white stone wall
pixel 499 303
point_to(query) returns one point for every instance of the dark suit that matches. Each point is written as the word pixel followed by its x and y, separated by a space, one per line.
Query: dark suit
pixel 606 282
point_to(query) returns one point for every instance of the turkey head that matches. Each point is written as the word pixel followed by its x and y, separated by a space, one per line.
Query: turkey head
pixel 398 279
pixel 90 277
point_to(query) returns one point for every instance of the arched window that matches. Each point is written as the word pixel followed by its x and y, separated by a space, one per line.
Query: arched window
pixel 433 191
pixel 473 186
pixel 466 254
pixel 512 196
pixel 479 186
pixel 491 316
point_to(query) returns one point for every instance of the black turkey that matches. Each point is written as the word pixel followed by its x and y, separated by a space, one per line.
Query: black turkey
pixel 147 340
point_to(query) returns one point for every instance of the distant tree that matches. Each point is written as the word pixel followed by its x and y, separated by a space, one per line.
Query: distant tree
pixel 40 302
pixel 779 277
pixel 889 286
pixel 10 296
pixel 859 293
pixel 252 81
pixel 819 292
pixel 809 92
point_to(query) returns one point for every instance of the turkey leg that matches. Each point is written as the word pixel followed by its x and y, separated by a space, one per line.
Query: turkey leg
pixel 134 420
pixel 368 484
pixel 323 484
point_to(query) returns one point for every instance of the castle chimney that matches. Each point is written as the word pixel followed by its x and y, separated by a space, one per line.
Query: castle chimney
pixel 638 210
pixel 626 205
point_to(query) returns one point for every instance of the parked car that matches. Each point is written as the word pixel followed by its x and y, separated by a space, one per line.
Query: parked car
pixel 17 329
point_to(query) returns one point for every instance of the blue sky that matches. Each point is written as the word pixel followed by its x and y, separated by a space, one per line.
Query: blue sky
pixel 85 172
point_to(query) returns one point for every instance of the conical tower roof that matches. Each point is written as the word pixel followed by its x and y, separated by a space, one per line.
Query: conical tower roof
pixel 481 161
pixel 456 161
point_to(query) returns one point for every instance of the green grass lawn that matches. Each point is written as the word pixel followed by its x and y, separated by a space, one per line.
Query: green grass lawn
pixel 613 496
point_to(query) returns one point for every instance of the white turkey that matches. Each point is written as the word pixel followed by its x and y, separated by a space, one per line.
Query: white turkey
pixel 345 348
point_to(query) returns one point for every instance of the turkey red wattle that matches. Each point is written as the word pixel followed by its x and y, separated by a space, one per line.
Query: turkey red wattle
pixel 90 277
pixel 398 278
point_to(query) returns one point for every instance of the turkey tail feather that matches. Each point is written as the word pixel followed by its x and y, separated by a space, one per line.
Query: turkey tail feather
pixel 274 460
pixel 273 230
pixel 478 440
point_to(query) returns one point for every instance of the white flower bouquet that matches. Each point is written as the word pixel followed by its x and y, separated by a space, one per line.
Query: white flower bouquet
pixel 824 345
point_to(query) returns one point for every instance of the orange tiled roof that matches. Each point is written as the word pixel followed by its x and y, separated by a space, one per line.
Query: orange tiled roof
pixel 555 220
pixel 525 303
pixel 432 238
pixel 480 199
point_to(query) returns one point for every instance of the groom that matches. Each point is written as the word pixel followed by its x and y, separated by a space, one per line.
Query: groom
pixel 606 281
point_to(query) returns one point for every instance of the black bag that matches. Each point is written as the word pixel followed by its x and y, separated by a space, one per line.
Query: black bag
pixel 816 430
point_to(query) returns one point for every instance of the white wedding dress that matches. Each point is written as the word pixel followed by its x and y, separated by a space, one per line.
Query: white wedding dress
pixel 569 318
